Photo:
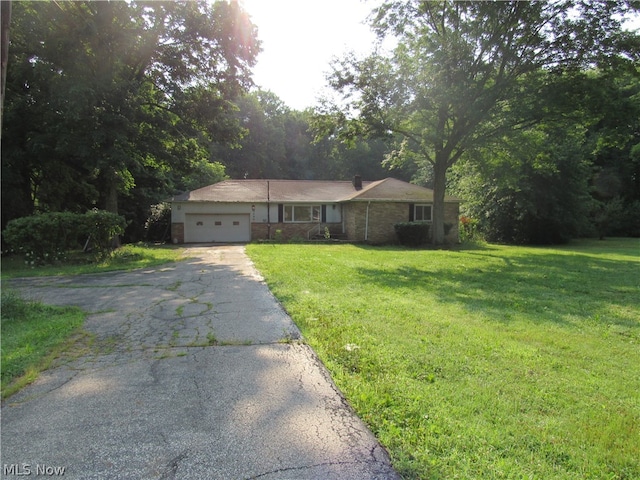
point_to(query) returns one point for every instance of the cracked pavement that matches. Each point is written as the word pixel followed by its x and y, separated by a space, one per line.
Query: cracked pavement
pixel 193 370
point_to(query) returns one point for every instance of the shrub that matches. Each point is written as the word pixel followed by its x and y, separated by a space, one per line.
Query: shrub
pixel 468 229
pixel 412 234
pixel 47 237
pixel 102 227
pixel 158 223
pixel 43 238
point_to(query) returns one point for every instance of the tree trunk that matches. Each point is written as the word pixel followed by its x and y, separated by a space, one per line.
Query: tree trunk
pixel 111 205
pixel 111 198
pixel 439 184
pixel 4 55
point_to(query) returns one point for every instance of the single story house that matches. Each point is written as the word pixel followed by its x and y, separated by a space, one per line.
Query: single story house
pixel 357 211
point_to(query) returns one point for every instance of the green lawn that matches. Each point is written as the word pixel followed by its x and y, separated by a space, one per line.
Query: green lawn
pixel 33 335
pixel 479 363
pixel 127 257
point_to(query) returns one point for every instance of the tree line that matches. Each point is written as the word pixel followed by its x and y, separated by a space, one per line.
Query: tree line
pixel 120 105
pixel 530 112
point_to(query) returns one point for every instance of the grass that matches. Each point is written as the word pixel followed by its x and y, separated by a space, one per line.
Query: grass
pixel 33 335
pixel 127 257
pixel 479 363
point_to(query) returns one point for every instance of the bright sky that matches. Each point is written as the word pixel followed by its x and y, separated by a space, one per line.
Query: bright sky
pixel 300 38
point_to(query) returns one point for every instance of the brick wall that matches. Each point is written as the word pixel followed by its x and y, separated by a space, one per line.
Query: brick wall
pixel 383 216
pixel 177 232
pixel 288 231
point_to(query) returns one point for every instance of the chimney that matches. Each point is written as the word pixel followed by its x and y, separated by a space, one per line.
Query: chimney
pixel 357 182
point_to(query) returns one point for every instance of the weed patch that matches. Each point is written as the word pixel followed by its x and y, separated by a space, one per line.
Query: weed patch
pixel 33 335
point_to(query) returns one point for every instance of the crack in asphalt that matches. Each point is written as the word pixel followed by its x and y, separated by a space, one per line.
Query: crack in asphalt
pixel 188 399
pixel 384 468
pixel 172 466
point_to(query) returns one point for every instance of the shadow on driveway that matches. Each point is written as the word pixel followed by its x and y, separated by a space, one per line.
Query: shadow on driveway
pixel 196 374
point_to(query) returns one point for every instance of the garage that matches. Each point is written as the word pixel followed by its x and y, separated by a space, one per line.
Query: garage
pixel 210 228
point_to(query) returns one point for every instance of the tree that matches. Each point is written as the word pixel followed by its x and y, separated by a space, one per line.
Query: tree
pixel 5 21
pixel 260 153
pixel 531 186
pixel 460 67
pixel 614 141
pixel 278 142
pixel 106 97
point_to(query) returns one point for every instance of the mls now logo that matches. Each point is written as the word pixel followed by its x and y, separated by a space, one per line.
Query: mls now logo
pixel 26 469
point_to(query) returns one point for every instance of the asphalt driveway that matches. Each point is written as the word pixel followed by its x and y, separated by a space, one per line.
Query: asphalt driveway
pixel 194 371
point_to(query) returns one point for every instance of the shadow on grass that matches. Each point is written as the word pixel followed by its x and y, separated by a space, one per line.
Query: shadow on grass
pixel 566 288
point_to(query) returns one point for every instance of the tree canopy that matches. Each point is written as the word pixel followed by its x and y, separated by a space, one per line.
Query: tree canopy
pixel 106 99
pixel 529 111
pixel 465 73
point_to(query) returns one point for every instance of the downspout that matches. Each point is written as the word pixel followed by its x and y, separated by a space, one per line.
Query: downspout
pixel 268 214
pixel 366 224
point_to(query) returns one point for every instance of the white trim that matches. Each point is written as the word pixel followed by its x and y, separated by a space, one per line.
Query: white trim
pixel 422 205
pixel 294 206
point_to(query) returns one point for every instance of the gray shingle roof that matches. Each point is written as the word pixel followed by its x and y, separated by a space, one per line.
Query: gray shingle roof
pixel 308 191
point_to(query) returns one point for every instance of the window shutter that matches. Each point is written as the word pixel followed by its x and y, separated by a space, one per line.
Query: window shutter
pixel 280 212
pixel 412 208
pixel 324 214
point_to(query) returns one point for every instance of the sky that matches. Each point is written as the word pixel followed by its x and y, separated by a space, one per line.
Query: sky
pixel 300 38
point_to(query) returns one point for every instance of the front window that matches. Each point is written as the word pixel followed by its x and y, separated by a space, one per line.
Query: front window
pixel 422 213
pixel 302 213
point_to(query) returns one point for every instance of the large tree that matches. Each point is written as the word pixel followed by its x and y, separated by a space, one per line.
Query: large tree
pixel 104 97
pixel 571 175
pixel 451 83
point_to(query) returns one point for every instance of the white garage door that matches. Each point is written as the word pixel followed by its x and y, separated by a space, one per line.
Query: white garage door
pixel 208 228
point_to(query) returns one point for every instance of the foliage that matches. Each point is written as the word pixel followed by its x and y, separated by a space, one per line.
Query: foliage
pixel 461 70
pixel 555 180
pixel 112 100
pixel 32 334
pixel 468 229
pixel 102 227
pixel 614 140
pixel 631 220
pixel 159 222
pixel 608 215
pixel 529 187
pixel 491 362
pixel 279 143
pixel 48 237
pixel 412 234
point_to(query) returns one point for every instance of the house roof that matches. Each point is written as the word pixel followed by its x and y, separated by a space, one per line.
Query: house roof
pixel 309 191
